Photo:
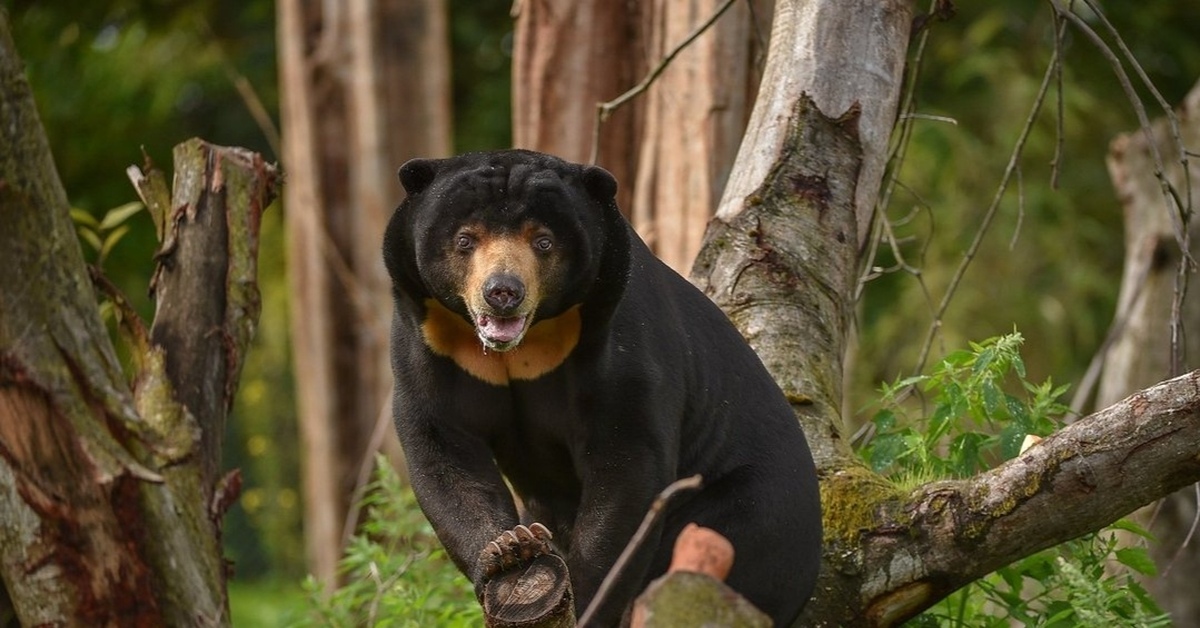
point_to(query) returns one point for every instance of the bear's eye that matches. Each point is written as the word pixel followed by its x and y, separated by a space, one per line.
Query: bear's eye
pixel 543 244
pixel 464 242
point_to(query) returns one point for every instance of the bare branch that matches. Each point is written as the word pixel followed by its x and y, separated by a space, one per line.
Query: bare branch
pixel 988 216
pixel 1076 481
pixel 635 543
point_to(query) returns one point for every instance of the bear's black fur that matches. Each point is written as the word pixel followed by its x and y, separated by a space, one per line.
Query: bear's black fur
pixel 537 339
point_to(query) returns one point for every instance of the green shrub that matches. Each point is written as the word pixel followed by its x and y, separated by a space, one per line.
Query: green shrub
pixel 395 572
pixel 961 419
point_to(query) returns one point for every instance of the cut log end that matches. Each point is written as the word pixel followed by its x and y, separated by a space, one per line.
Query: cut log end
pixel 702 550
pixel 536 595
pixel 692 592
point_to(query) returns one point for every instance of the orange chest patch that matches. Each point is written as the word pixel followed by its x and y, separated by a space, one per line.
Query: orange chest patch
pixel 545 346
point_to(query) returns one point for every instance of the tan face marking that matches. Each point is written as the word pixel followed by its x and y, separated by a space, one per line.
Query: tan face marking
pixel 510 254
pixel 546 345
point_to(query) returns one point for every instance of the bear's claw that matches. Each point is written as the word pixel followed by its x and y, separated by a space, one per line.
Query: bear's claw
pixel 513 548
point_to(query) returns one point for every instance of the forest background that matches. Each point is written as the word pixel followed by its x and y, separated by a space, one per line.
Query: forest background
pixel 113 80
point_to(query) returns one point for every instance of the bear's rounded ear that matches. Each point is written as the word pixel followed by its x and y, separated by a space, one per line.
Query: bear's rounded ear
pixel 416 174
pixel 599 183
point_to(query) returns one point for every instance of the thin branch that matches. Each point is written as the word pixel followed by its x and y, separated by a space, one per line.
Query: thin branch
pixel 656 509
pixel 906 116
pixel 383 423
pixel 606 109
pixel 1181 212
pixel 1013 160
pixel 1012 244
pixel 1060 134
pixel 1124 311
pixel 1191 532
pixel 1138 109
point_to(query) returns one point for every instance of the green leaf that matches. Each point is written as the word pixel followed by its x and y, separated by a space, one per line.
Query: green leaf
pixel 91 238
pixel 120 214
pixel 984 360
pixel 111 240
pixel 83 217
pixel 909 381
pixel 1011 438
pixel 1138 559
pixel 939 423
pixel 884 420
pixel 1017 412
pixel 991 398
pixel 1130 525
pixel 962 357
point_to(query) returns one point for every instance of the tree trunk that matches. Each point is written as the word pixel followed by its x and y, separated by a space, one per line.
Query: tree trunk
pixel 673 145
pixel 1141 353
pixel 695 114
pixel 365 86
pixel 567 57
pixel 110 505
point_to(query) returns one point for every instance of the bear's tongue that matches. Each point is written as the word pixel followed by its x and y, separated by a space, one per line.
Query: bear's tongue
pixel 500 329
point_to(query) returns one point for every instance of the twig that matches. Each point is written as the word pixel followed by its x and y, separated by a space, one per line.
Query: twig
pixel 1182 211
pixel 1191 532
pixel 365 467
pixel 1059 122
pixel 1012 244
pixel 635 543
pixel 906 116
pixel 1120 319
pixel 606 109
pixel 969 256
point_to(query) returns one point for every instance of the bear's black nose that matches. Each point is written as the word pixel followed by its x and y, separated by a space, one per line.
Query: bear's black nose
pixel 503 292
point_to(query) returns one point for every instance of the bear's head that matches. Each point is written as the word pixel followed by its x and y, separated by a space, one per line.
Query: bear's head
pixel 505 239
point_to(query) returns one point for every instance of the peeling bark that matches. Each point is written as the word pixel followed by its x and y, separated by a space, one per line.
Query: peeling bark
pixel 840 53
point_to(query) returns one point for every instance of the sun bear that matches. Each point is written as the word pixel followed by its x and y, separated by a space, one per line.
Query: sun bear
pixel 537 343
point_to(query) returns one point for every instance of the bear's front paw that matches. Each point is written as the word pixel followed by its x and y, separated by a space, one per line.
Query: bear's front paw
pixel 513 548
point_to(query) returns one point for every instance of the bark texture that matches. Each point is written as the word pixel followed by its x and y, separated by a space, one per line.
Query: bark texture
pixel 568 56
pixel 839 53
pixel 109 507
pixel 1141 353
pixel 365 87
pixel 672 147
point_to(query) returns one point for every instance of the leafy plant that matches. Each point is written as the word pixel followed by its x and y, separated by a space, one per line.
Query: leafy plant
pixel 104 234
pixel 395 572
pixel 969 422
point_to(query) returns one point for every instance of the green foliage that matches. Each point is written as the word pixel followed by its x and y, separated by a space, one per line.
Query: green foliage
pixel 1058 245
pixel 264 603
pixel 102 235
pixel 395 571
pixel 971 423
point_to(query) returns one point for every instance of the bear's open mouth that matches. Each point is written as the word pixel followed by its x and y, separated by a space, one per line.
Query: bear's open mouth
pixel 500 332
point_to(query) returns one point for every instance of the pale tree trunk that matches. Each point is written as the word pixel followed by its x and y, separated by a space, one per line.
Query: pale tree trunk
pixel 672 146
pixel 365 86
pixel 1140 354
pixel 110 500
